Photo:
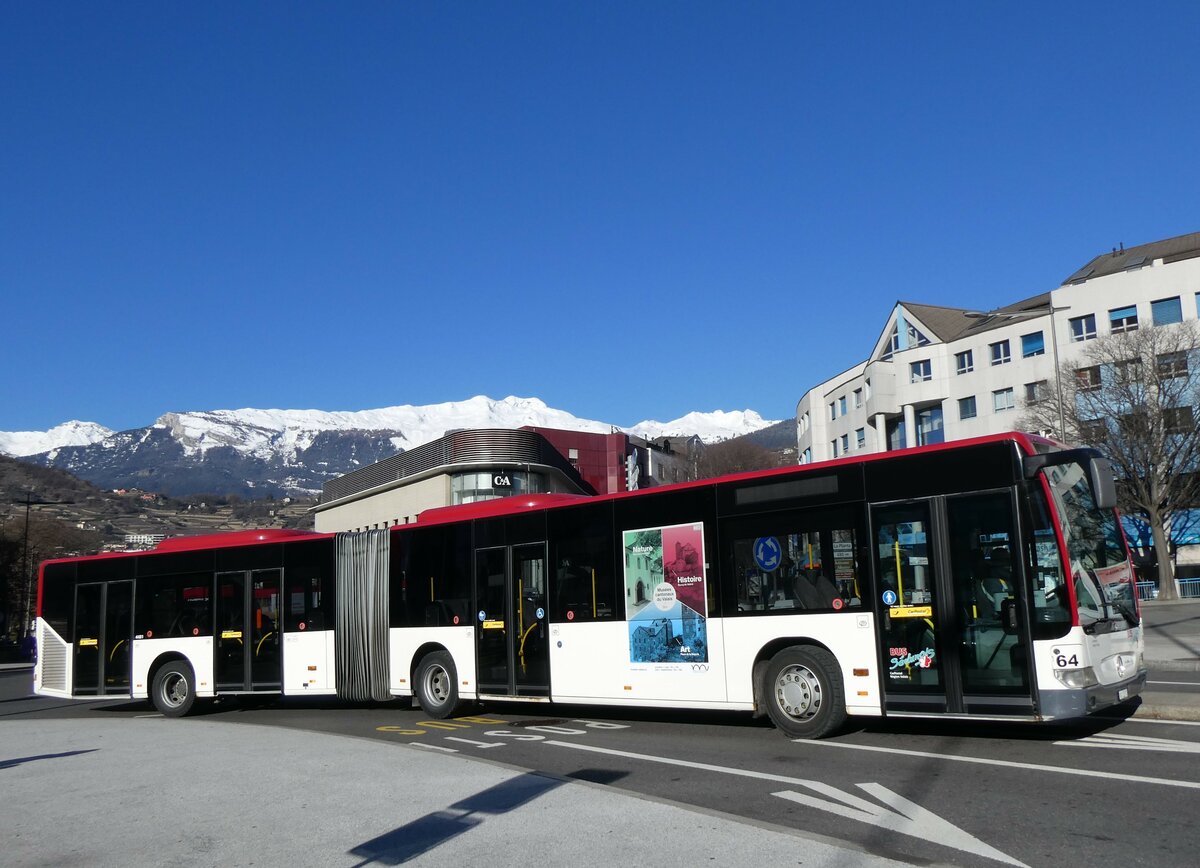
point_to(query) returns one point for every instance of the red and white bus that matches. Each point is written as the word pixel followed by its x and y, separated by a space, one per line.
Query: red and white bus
pixel 986 578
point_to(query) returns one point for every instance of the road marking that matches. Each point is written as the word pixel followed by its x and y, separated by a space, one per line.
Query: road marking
pixel 1118 741
pixel 908 818
pixel 902 816
pixel 1035 767
pixel 432 747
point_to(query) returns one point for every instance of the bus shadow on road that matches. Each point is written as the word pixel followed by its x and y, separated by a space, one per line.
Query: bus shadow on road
pixel 433 830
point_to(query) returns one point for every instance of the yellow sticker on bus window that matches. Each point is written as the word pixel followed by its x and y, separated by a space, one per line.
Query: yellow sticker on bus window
pixel 231 634
pixel 911 611
pixel 86 643
pixel 493 625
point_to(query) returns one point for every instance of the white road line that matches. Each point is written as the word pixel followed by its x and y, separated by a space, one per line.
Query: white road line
pixel 905 816
pixel 1159 720
pixel 1121 741
pixel 433 747
pixel 1035 767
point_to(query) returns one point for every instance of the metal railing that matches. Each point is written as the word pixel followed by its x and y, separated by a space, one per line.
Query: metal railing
pixel 1188 589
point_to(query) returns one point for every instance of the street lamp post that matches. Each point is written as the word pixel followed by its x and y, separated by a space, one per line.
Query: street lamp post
pixel 1034 314
pixel 26 577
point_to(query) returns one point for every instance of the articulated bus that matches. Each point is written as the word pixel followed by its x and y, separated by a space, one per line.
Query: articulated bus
pixel 986 578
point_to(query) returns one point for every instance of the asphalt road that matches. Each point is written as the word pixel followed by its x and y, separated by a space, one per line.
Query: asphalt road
pixel 1105 792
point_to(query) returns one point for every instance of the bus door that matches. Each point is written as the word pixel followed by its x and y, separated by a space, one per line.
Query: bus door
pixel 512 648
pixel 103 635
pixel 953 628
pixel 247 640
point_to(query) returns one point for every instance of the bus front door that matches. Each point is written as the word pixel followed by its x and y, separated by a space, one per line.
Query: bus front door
pixel 512 650
pixel 953 628
pixel 247 640
pixel 103 633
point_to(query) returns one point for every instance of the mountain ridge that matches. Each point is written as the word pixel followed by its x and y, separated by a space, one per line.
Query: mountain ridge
pixel 254 452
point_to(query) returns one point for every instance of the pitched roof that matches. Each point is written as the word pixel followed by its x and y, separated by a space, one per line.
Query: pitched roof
pixel 952 323
pixel 1169 250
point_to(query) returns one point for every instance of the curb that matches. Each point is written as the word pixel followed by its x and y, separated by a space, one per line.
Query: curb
pixel 1172 665
pixel 1167 712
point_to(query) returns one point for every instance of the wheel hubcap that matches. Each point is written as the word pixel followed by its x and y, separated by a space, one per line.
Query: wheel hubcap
pixel 175 690
pixel 798 692
pixel 437 681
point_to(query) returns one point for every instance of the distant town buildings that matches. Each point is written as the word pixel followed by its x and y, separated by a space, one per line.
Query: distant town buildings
pixel 483 464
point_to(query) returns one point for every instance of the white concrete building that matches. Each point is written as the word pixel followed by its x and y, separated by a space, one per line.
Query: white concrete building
pixel 939 373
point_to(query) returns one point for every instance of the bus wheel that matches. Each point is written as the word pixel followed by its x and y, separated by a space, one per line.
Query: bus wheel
pixel 437 685
pixel 174 689
pixel 803 690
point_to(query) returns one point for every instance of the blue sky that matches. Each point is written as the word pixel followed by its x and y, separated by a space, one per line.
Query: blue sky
pixel 629 210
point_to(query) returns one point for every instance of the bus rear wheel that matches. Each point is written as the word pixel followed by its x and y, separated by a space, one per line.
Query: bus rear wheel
pixel 174 689
pixel 803 690
pixel 436 685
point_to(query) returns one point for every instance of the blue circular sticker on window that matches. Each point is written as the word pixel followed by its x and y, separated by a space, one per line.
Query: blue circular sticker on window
pixel 767 553
pixel 889 597
pixel 541 613
pixel 482 615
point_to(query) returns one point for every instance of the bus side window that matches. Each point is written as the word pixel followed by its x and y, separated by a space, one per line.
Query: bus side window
pixel 789 562
pixel 582 580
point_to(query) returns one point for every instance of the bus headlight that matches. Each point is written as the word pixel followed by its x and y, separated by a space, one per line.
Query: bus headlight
pixel 1076 678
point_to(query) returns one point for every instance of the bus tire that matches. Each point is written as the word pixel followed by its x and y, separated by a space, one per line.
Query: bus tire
pixel 174 689
pixel 437 685
pixel 802 687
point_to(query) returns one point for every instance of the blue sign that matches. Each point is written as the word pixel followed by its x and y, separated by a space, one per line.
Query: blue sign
pixel 482 614
pixel 767 553
pixel 889 597
pixel 541 613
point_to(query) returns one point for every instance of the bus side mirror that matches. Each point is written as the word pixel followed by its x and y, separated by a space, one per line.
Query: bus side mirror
pixel 1104 489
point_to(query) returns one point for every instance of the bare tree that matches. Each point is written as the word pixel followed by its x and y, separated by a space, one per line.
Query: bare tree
pixel 1134 396
pixel 734 456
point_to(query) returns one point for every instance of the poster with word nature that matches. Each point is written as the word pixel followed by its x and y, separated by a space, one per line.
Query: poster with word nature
pixel 665 594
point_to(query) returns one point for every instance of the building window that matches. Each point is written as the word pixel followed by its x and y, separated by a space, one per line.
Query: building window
pixel 1178 420
pixel 842 406
pixel 803 423
pixel 858 399
pixel 1001 353
pixel 1035 393
pixel 860 437
pixel 1128 371
pixel 832 410
pixel 1033 345
pixel 1003 399
pixel 929 426
pixel 845 443
pixel 1166 311
pixel 964 362
pixel 867 388
pixel 1172 365
pixel 1087 379
pixel 1083 328
pixel 833 444
pixel 920 372
pixel 1093 430
pixel 966 408
pixel 1123 319
pixel 806 458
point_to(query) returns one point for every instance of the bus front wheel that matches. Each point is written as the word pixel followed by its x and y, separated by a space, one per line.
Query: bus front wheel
pixel 437 685
pixel 174 689
pixel 802 687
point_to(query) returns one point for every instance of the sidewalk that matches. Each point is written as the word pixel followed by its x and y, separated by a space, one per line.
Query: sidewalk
pixel 195 792
pixel 1172 633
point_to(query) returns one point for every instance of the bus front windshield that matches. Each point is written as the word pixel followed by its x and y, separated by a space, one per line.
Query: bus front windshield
pixel 1100 568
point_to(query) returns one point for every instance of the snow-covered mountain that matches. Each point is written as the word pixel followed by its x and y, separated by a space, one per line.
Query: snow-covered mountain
pixel 247 451
pixel 22 443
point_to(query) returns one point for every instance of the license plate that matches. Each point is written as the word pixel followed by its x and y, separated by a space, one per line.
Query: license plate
pixel 1123 693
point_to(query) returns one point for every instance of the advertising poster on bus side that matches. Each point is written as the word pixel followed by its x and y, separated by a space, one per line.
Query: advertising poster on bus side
pixel 666 594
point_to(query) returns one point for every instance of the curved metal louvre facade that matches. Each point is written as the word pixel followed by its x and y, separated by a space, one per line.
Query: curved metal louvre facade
pixel 476 445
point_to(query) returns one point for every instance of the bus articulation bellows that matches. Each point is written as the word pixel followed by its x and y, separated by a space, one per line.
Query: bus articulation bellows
pixel 986 578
